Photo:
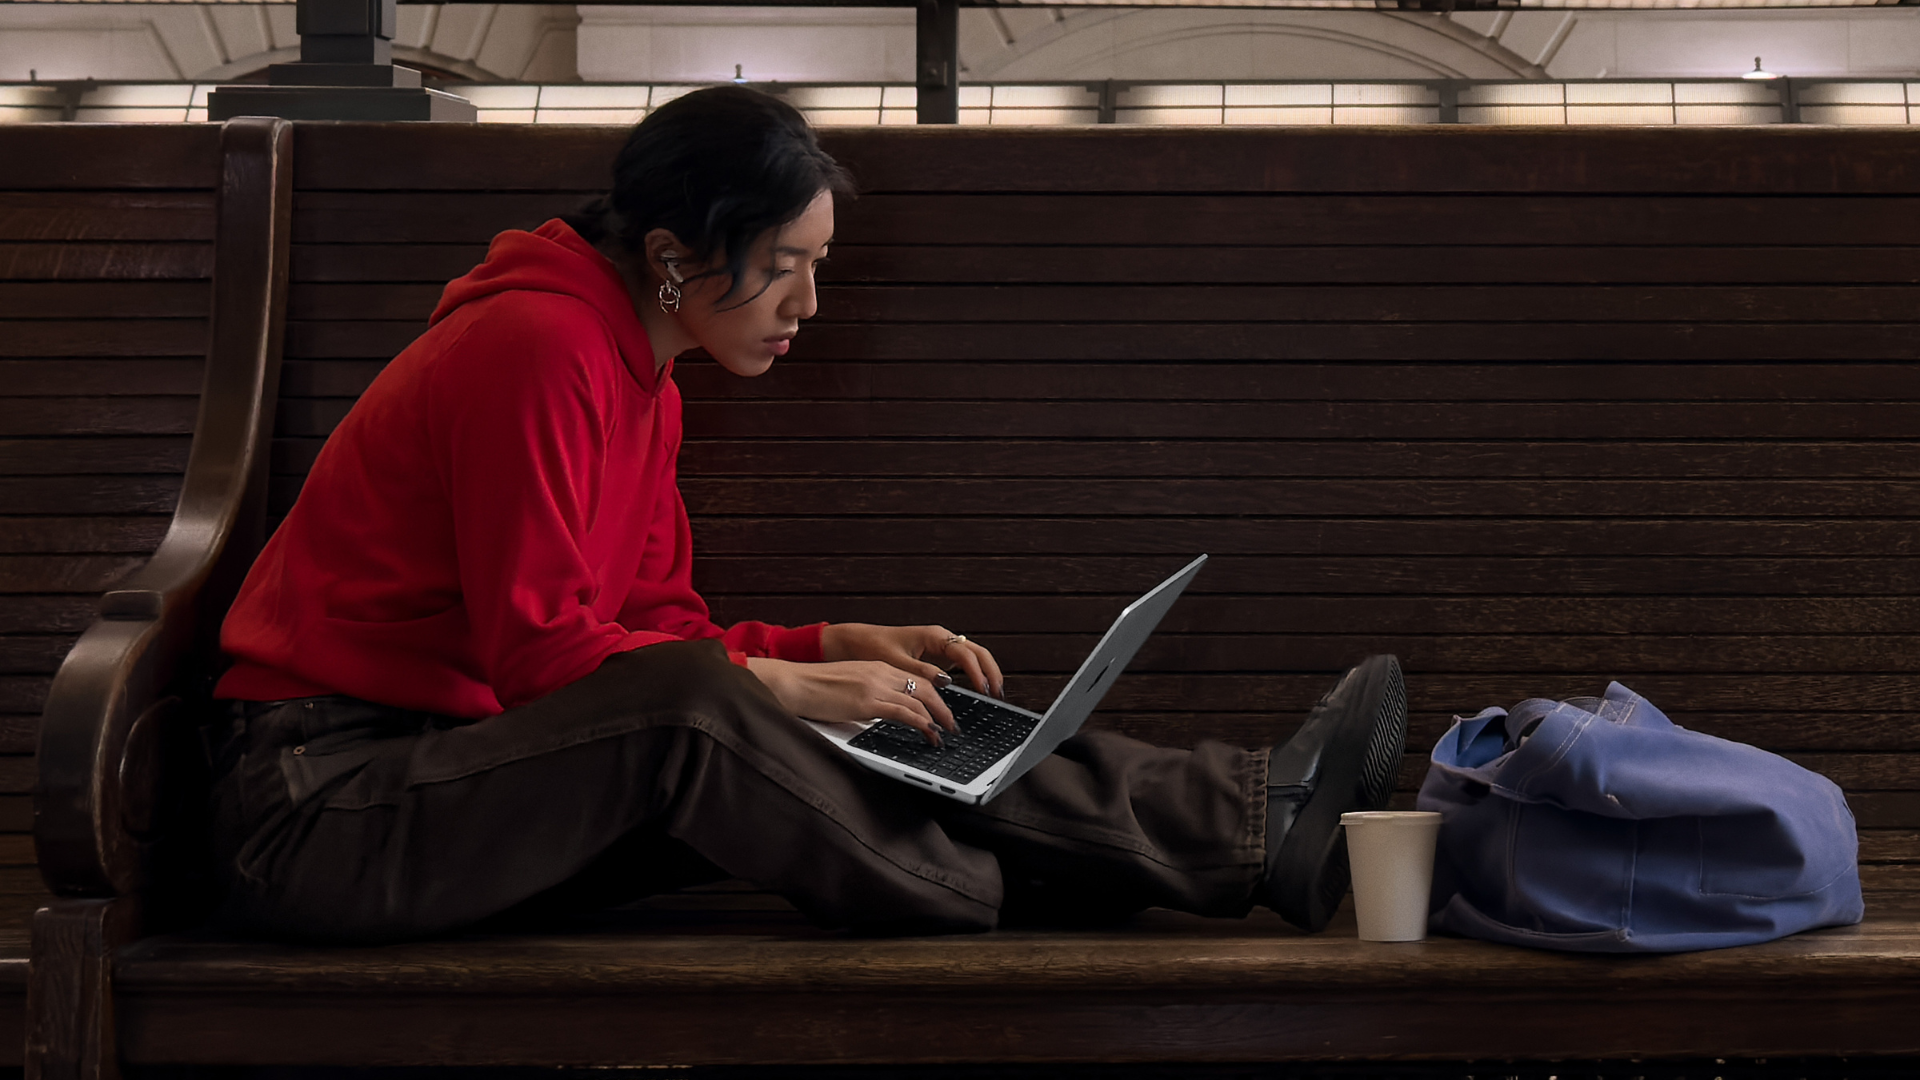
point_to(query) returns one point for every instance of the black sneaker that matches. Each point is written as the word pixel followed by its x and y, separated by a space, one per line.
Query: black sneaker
pixel 1344 757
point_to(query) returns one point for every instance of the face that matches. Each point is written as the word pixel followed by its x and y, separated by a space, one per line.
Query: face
pixel 746 332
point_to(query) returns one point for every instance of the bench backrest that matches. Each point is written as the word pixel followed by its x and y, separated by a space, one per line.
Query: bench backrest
pixel 1533 409
pixel 106 256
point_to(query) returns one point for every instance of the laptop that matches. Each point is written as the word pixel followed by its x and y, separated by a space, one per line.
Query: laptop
pixel 997 743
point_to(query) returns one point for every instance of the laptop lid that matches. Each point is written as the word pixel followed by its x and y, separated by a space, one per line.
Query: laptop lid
pixel 1097 674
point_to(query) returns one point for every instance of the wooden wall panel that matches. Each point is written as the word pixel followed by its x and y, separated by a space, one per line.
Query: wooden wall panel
pixel 1534 410
pixel 105 265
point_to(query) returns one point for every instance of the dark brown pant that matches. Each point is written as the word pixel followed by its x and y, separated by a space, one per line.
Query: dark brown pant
pixel 342 820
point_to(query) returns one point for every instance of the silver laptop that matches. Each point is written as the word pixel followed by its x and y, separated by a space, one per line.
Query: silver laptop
pixel 998 742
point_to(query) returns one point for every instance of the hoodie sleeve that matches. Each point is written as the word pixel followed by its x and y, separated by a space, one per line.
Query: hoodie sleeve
pixel 519 428
pixel 663 598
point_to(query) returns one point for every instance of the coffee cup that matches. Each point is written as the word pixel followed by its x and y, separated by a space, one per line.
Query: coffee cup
pixel 1391 853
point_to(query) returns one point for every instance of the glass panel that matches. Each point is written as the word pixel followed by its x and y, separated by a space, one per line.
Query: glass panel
pixel 841 117
pixel 1139 97
pixel 500 97
pixel 134 115
pixel 1045 97
pixel 662 94
pixel 1167 116
pixel 1046 116
pixel 834 97
pixel 1757 91
pixel 1853 94
pixel 1385 114
pixel 901 97
pixel 176 94
pixel 1619 114
pixel 1853 114
pixel 506 116
pixel 1514 94
pixel 1619 93
pixel 899 116
pixel 1299 114
pixel 1726 114
pixel 593 97
pixel 976 97
pixel 975 116
pixel 1513 114
pixel 622 117
pixel 1384 94
pixel 24 114
pixel 1289 94
pixel 42 96
pixel 200 92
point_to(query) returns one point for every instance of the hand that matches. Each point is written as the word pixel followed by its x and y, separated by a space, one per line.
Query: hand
pixel 909 649
pixel 855 691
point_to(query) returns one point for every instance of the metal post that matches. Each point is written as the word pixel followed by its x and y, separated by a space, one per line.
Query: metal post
pixel 937 70
pixel 345 72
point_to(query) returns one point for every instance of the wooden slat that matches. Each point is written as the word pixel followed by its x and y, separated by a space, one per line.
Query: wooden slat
pixel 430 263
pixel 114 495
pixel 82 535
pixel 103 378
pixel 16 771
pixel 1281 219
pixel 1522 539
pixel 136 156
pixel 106 215
pixel 104 337
pixel 97 416
pixel 33 654
pixel 126 454
pixel 64 573
pixel 1032 611
pixel 104 299
pixel 1251 459
pixel 1240 497
pixel 1454 264
pixel 1810 160
pixel 334 217
pixel 46 614
pixel 1886 809
pixel 19 734
pixel 129 261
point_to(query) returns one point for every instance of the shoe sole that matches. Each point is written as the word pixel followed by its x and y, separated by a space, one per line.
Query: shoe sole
pixel 1311 867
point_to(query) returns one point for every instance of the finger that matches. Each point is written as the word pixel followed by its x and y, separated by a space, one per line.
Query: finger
pixel 991 668
pixel 963 653
pixel 903 709
pixel 929 697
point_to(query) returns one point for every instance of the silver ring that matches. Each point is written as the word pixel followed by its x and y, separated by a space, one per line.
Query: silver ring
pixel 961 638
pixel 912 686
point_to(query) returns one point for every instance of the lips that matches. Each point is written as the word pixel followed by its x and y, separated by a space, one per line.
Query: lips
pixel 779 345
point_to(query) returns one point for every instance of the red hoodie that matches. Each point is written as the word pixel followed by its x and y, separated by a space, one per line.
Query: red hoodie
pixel 497 514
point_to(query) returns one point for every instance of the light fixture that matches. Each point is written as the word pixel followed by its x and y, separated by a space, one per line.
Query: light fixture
pixel 1759 72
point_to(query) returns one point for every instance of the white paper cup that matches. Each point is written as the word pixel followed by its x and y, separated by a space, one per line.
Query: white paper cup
pixel 1391 852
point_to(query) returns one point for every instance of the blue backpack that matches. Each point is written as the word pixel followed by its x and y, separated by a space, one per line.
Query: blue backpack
pixel 1599 825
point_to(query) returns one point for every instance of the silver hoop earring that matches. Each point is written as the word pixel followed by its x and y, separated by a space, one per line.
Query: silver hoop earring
pixel 669 297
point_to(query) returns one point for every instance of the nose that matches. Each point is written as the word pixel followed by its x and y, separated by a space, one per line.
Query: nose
pixel 804 300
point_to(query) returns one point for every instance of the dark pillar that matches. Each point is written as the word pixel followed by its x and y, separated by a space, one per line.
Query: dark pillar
pixel 345 72
pixel 937 77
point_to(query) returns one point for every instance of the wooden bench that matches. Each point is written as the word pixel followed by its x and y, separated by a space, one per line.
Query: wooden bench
pixel 1533 409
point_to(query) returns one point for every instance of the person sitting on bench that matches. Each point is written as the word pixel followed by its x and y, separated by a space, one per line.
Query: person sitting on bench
pixel 471 679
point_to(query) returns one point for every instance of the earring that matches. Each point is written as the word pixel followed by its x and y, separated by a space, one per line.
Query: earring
pixel 670 290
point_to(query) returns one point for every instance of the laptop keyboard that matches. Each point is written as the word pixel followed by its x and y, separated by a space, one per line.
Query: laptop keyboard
pixel 988 732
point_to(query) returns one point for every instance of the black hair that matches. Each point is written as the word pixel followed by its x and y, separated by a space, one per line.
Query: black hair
pixel 716 168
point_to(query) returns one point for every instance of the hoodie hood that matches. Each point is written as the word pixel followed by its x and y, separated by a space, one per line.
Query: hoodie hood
pixel 554 259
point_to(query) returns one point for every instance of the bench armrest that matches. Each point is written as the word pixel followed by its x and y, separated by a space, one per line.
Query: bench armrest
pixel 127 680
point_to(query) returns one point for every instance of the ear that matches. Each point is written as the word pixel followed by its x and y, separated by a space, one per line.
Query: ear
pixel 665 256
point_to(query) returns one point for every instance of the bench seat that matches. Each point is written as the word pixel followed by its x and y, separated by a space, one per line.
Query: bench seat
pixel 667 987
